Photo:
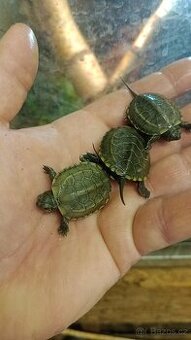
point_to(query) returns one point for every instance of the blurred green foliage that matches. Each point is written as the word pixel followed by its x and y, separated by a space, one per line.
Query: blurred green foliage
pixel 51 97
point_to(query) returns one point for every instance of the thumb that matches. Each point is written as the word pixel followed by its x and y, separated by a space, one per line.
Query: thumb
pixel 18 68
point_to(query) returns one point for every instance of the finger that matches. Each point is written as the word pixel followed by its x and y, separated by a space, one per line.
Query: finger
pixel 18 67
pixel 162 222
pixel 171 174
pixel 173 79
pixel 171 82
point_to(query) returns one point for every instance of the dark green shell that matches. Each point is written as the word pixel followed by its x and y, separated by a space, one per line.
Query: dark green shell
pixel 153 114
pixel 123 151
pixel 81 190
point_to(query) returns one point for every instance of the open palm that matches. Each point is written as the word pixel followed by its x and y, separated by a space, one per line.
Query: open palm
pixel 48 281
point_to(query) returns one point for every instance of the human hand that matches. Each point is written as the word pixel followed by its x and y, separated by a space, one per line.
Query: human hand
pixel 47 281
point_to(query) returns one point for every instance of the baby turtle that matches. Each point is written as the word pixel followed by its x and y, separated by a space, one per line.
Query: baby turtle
pixel 124 156
pixel 155 116
pixel 76 192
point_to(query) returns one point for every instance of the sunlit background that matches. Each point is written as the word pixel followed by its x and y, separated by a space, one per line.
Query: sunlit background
pixel 85 46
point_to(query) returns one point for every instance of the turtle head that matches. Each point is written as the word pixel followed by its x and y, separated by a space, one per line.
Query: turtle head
pixel 47 202
pixel 174 133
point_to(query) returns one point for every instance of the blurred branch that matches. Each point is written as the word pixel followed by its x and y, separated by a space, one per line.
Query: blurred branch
pixel 130 59
pixel 69 46
pixel 90 336
pixel 125 66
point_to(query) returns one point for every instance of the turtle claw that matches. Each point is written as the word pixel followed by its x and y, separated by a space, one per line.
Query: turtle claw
pixel 142 190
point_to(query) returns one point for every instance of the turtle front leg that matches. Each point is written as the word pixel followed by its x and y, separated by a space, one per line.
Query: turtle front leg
pixel 186 126
pixel 49 171
pixel 63 228
pixel 142 190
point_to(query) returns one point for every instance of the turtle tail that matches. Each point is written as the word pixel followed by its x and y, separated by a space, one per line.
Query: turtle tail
pixel 133 93
pixel 121 182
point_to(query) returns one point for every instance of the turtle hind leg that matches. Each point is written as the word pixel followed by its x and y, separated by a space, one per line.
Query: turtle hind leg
pixel 186 126
pixel 49 171
pixel 63 228
pixel 142 190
